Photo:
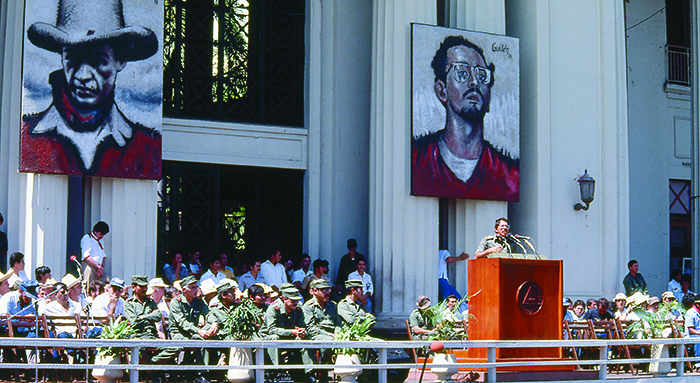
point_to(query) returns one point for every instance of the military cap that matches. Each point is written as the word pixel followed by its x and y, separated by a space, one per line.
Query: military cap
pixel 140 280
pixel 320 284
pixel 286 286
pixel 224 287
pixel 353 283
pixel 292 294
pixel 186 281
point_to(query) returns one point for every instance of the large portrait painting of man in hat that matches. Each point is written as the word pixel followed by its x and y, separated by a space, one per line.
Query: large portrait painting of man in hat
pixel 92 88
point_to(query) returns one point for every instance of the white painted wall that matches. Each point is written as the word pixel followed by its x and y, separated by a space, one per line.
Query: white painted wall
pixel 573 117
pixel 656 124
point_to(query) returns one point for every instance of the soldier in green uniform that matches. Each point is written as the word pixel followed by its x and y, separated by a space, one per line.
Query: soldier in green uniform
pixel 419 325
pixel 320 314
pixel 185 311
pixel 141 311
pixel 284 321
pixel 498 243
pixel 348 309
pixel 143 314
pixel 219 313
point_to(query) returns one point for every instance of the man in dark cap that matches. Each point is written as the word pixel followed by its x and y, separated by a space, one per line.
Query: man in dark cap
pixel 284 320
pixel 83 131
pixel 141 311
pixel 349 310
pixel 185 311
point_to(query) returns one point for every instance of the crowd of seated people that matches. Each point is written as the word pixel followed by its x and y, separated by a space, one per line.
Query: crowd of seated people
pixel 189 301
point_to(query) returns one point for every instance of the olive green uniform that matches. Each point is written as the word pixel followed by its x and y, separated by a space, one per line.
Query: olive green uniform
pixel 417 319
pixel 321 322
pixel 349 311
pixel 143 316
pixel 183 321
pixel 278 324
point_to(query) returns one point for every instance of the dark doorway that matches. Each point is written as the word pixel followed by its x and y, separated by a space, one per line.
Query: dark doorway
pixel 242 211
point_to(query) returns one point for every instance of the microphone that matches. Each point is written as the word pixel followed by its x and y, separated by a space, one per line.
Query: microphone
pixel 74 259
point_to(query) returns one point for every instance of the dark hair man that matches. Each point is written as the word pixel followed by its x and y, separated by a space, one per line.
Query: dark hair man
pixel 83 131
pixel 273 270
pixel 42 274
pixel 320 272
pixel 347 264
pixel 17 269
pixel 457 161
pixel 674 285
pixel 348 309
pixel 93 253
pixel 497 243
pixel 304 270
pixel 634 281
pixel 252 277
pixel 176 269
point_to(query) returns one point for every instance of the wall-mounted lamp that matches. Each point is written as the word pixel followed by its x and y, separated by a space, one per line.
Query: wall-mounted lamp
pixel 587 184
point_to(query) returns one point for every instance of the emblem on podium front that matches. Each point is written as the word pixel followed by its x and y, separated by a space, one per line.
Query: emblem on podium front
pixel 530 298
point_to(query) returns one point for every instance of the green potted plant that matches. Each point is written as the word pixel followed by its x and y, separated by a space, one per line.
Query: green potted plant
pixel 446 326
pixel 358 331
pixel 244 321
pixel 654 325
pixel 112 355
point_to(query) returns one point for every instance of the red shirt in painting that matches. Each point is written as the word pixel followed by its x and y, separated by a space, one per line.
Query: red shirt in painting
pixel 495 177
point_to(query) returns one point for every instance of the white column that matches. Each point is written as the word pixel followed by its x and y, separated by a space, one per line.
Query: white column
pixel 35 207
pixel 338 77
pixel 403 229
pixel 130 208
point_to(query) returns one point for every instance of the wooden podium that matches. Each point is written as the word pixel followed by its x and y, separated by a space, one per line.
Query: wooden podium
pixel 517 299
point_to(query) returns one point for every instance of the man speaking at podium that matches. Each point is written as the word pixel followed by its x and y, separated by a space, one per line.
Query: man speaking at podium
pixel 498 243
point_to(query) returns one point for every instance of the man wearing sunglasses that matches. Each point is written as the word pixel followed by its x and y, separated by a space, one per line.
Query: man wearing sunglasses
pixel 456 161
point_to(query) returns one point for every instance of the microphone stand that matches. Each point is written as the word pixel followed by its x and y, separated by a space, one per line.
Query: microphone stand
pixel 88 305
pixel 517 241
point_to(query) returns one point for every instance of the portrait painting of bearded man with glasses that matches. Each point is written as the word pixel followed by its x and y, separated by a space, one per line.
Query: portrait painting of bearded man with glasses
pixel 455 159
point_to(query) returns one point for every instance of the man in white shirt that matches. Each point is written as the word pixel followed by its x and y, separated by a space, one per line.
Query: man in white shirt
pixel 62 306
pixel 304 270
pixel 674 285
pixel 17 269
pixel 75 293
pixel 110 303
pixel 93 253
pixel 273 270
pixel 214 273
pixel 367 285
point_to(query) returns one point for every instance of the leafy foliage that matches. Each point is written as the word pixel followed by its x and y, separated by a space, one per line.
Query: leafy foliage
pixel 118 330
pixel 244 320
pixel 444 321
pixel 358 331
pixel 651 325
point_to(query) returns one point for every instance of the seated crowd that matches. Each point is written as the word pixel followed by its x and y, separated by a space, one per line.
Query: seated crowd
pixel 292 305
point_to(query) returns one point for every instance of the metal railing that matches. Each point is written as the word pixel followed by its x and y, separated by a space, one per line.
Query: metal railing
pixel 678 63
pixel 490 365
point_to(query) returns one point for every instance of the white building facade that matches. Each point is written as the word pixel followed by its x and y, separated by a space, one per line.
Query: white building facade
pixel 587 103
